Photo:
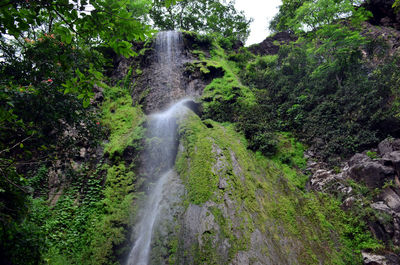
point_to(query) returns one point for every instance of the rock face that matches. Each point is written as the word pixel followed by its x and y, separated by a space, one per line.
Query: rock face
pixel 164 78
pixel 271 44
pixel 235 207
pixel 379 175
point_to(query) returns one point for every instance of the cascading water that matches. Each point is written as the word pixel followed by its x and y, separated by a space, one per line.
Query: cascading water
pixel 168 48
pixel 159 155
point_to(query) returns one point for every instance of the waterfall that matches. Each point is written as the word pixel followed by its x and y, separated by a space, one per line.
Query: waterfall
pixel 159 154
pixel 168 48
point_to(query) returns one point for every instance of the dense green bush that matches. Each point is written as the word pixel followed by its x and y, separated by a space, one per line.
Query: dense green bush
pixel 338 108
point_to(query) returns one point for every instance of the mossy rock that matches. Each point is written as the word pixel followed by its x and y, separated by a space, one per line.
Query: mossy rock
pixel 242 207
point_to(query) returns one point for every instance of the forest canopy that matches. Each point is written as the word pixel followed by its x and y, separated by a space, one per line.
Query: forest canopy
pixel 202 16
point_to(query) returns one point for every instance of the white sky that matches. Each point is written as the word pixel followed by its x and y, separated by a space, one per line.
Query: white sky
pixel 262 11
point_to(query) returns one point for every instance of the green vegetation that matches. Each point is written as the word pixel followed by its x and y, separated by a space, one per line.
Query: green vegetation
pixel 339 110
pixel 289 158
pixel 264 191
pixel 68 160
pixel 225 97
pixel 123 121
pixel 88 223
pixel 209 16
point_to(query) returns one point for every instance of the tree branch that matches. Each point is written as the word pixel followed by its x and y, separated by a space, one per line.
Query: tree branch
pixel 8 149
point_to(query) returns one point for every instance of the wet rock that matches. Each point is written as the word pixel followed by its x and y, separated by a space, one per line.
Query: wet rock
pixel 163 82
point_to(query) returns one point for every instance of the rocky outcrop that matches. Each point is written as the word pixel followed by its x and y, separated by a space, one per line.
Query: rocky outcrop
pixel 379 173
pixel 270 45
pixel 372 173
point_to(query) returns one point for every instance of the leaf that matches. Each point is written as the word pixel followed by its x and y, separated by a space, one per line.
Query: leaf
pixel 21 145
pixel 86 102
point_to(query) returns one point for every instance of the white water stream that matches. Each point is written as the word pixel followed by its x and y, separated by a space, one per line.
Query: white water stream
pixel 159 154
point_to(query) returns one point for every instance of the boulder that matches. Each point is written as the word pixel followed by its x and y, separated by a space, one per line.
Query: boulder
pixel 392 159
pixel 391 199
pixel 359 159
pixel 388 146
pixel 372 173
pixel 381 206
pixel 373 259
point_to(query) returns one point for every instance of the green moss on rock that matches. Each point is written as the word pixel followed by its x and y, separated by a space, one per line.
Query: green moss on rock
pixel 122 119
pixel 249 194
pixel 226 96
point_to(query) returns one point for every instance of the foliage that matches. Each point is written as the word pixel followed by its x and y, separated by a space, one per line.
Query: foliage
pixel 329 99
pixel 35 113
pixel 206 16
pixel 289 157
pixel 299 15
pixel 287 11
pixel 112 22
pixel 53 56
pixel 372 154
pixel 88 222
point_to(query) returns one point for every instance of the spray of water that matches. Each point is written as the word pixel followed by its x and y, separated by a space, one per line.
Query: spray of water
pixel 160 155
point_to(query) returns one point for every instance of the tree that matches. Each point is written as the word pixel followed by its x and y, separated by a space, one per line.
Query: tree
pixel 52 55
pixel 208 16
pixel 286 11
pixel 299 15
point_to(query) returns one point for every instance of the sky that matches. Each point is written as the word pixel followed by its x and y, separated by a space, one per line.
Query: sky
pixel 262 11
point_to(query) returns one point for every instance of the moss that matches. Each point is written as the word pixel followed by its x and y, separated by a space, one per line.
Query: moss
pixel 268 196
pixel 290 159
pixel 122 119
pixel 226 90
pixel 202 180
